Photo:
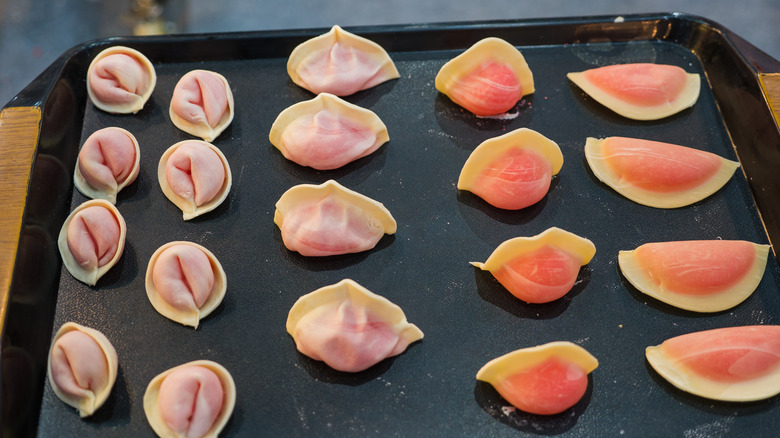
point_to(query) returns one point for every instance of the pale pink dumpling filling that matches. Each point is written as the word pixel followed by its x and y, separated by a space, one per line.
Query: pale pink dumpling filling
pixel 342 71
pixel 200 97
pixel 118 79
pixel 190 400
pixel 79 367
pixel 195 172
pixel 107 159
pixel 183 277
pixel 93 237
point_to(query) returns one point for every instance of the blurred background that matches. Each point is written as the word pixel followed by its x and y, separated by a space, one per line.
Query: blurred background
pixel 33 33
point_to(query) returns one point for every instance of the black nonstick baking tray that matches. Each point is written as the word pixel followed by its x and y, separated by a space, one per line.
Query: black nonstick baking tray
pixel 467 316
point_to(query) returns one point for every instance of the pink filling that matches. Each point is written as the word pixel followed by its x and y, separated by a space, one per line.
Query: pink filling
pixel 540 276
pixel 183 277
pixel 639 84
pixel 93 237
pixel 190 400
pixel 107 158
pixel 342 70
pixel 200 98
pixel 516 180
pixel 78 365
pixel 118 79
pixel 195 172
pixel 493 88
pixel 548 388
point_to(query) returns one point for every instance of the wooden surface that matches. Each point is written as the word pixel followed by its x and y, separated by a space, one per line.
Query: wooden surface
pixel 19 128
pixel 771 84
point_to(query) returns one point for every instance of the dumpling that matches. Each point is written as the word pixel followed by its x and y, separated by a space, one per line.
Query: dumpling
pixel 542 268
pixel 108 161
pixel 640 91
pixel 349 327
pixel 329 219
pixel 202 104
pixel 327 132
pixel 700 275
pixel 512 171
pixel 487 79
pixel 340 63
pixel 195 176
pixel 91 240
pixel 542 380
pixel 82 367
pixel 731 364
pixel 185 282
pixel 657 174
pixel 120 80
pixel 195 400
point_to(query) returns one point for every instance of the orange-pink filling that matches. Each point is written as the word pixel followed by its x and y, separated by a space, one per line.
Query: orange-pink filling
pixel 195 172
pixel 342 70
pixel 107 158
pixel 200 97
pixel 515 180
pixel 118 79
pixel 190 400
pixel 548 388
pixel 183 276
pixel 639 84
pixel 493 88
pixel 93 237
pixel 540 276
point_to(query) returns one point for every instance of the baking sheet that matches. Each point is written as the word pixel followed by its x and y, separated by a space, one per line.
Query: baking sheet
pixel 467 317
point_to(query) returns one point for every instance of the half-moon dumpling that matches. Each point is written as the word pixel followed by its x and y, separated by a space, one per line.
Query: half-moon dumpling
pixel 82 367
pixel 349 327
pixel 91 240
pixel 195 176
pixel 731 364
pixel 341 63
pixel 640 91
pixel 202 104
pixel 512 171
pixel 542 380
pixel 329 219
pixel 108 161
pixel 657 174
pixel 699 275
pixel 327 132
pixel 541 268
pixel 487 79
pixel 185 282
pixel 195 400
pixel 120 80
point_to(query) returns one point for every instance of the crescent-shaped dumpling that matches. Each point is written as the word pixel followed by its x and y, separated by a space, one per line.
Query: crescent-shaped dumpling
pixel 327 132
pixel 487 79
pixel 329 219
pixel 541 268
pixel 640 91
pixel 341 63
pixel 349 327
pixel 108 161
pixel 120 80
pixel 512 171
pixel 202 104
pixel 657 174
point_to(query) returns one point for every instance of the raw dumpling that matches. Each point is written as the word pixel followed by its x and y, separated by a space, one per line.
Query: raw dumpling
pixel 327 132
pixel 349 327
pixel 108 161
pixel 512 171
pixel 120 80
pixel 91 240
pixel 340 63
pixel 487 79
pixel 195 176
pixel 657 174
pixel 195 400
pixel 329 219
pixel 82 367
pixel 202 104
pixel 543 380
pixel 185 282
pixel 640 91
pixel 731 364
pixel 701 275
pixel 542 268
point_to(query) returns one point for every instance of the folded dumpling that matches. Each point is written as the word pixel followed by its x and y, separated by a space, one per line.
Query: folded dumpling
pixel 120 80
pixel 202 104
pixel 108 161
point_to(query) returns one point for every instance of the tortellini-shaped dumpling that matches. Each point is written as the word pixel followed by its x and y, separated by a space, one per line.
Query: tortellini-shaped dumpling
pixel 349 327
pixel 108 161
pixel 329 219
pixel 202 104
pixel 120 80
pixel 91 240
pixel 327 132
pixel 341 63
pixel 82 367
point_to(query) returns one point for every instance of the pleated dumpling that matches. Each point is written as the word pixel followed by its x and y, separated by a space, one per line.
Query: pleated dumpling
pixel 640 91
pixel 543 380
pixel 738 364
pixel 329 219
pixel 327 132
pixel 512 171
pixel 341 63
pixel 699 275
pixel 487 79
pixel 657 174
pixel 541 268
pixel 349 327
pixel 202 104
pixel 120 80
pixel 108 161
